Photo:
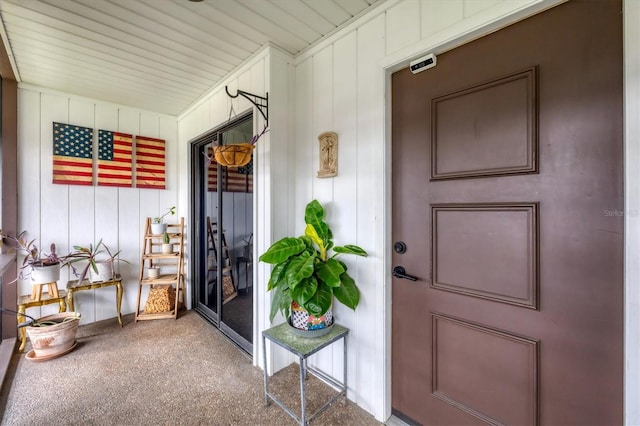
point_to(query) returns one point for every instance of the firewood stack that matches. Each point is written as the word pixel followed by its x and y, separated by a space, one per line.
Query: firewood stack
pixel 162 298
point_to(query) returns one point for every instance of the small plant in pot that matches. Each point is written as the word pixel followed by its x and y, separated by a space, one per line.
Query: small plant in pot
pixel 157 227
pixel 167 247
pixel 97 262
pixel 306 277
pixel 153 272
pixel 53 335
pixel 38 267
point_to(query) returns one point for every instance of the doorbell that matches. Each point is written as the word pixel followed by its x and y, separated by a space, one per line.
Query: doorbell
pixel 423 63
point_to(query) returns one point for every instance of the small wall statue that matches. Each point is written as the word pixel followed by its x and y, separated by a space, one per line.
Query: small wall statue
pixel 328 154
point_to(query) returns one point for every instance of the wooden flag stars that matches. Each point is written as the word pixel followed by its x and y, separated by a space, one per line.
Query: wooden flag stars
pixel 114 158
pixel 73 158
pixel 72 154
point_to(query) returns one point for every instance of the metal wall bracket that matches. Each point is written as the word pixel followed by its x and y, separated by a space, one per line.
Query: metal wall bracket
pixel 260 102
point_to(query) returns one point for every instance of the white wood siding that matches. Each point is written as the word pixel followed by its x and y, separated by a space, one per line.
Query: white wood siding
pixel 69 215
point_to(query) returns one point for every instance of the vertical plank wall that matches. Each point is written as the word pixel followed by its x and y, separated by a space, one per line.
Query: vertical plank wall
pixel 69 215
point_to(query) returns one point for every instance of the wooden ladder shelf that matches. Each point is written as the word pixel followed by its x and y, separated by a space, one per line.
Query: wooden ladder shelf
pixel 171 269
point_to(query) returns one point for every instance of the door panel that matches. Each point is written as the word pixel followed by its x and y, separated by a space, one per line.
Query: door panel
pixel 497 243
pixel 493 123
pixel 506 156
pixel 469 359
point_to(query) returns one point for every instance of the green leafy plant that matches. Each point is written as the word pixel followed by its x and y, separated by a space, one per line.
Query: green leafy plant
pixel 165 238
pixel 170 211
pixel 305 272
pixel 90 254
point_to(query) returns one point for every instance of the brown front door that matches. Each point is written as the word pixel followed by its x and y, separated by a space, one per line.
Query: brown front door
pixel 508 195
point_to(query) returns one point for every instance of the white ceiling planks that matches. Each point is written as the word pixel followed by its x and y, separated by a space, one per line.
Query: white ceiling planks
pixel 159 55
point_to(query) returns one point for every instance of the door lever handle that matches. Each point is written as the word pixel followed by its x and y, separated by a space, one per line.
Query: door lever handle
pixel 399 272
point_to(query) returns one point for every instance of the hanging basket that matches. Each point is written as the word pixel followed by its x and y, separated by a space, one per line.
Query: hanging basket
pixel 235 155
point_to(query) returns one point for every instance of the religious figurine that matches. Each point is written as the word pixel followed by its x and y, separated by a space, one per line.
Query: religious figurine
pixel 328 154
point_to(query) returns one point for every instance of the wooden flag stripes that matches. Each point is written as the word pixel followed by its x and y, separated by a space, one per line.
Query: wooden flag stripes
pixel 73 158
pixel 150 163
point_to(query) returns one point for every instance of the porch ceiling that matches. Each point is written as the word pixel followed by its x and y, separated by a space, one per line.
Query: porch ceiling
pixel 159 55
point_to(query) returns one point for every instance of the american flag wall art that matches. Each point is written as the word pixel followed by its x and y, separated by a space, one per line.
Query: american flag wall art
pixel 150 163
pixel 72 154
pixel 115 159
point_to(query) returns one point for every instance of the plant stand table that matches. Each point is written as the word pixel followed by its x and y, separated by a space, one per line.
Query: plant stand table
pixel 303 348
pixel 28 301
pixel 75 285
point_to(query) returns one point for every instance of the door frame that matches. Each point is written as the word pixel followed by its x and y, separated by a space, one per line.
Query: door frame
pixel 452 38
pixel 195 249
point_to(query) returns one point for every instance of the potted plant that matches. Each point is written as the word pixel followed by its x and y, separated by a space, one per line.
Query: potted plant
pixel 53 335
pixel 306 276
pixel 99 262
pixel 153 272
pixel 157 227
pixel 167 247
pixel 37 266
pixel 236 154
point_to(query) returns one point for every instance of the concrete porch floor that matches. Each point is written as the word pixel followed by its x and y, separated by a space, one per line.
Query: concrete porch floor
pixel 180 371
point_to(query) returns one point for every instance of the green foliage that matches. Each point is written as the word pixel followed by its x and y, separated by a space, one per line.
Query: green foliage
pixel 304 270
pixel 89 255
pixel 170 211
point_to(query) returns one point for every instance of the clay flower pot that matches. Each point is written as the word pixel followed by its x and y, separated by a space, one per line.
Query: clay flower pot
pixel 53 335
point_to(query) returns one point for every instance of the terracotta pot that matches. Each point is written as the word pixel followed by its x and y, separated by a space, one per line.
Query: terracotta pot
pixel 49 341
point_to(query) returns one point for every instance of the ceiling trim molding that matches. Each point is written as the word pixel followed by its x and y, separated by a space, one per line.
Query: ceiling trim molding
pixel 8 67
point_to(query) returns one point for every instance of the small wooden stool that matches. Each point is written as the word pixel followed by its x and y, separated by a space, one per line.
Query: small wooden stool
pixel 36 291
pixel 28 301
